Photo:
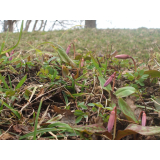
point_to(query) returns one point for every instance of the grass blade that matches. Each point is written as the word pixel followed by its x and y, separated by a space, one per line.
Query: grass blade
pixel 36 121
pixel 2 46
pixel 14 111
pixel 21 82
pixel 20 35
pixel 10 81
pixel 3 80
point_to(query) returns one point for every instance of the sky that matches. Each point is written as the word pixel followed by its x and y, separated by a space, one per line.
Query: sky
pixel 109 13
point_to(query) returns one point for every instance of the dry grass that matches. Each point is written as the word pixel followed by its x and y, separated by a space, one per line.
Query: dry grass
pixel 135 42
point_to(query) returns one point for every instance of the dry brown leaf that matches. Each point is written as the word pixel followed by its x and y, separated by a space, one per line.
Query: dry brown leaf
pixel 130 102
pixel 159 114
pixel 68 115
pixel 7 136
pixel 41 92
pixel 24 129
pixel 114 53
pixel 77 89
pixel 77 74
pixel 137 112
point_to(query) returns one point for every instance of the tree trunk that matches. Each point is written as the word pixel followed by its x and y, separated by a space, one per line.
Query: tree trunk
pixel 5 26
pixel 27 25
pixel 42 21
pixel 10 25
pixel 90 23
pixel 34 27
pixel 44 25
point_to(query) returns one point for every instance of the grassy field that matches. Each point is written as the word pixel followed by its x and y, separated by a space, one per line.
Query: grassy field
pixel 135 42
pixel 86 97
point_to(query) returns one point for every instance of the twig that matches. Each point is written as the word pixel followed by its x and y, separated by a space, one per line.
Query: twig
pixel 126 120
pixel 53 135
pixel 6 131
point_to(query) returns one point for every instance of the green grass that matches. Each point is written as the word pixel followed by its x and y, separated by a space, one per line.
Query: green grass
pixel 135 42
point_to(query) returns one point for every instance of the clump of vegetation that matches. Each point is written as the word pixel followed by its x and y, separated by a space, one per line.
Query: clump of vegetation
pixel 55 95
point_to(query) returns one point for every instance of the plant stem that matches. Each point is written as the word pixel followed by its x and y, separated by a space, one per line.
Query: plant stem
pixel 134 64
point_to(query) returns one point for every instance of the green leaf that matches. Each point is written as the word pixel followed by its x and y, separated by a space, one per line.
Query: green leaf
pixel 144 76
pixel 127 110
pixel 10 92
pixel 81 94
pixel 78 113
pixel 59 124
pixel 65 97
pixel 36 121
pixel 125 91
pixel 43 130
pixel 78 119
pixel 10 81
pixel 98 105
pixel 143 130
pixel 14 111
pixel 65 58
pixel 3 80
pixel 141 72
pixel 91 104
pixel 153 73
pixel 96 65
pixel 20 35
pixel 21 82
pixel 102 82
pixel 62 54
pixel 98 128
pixel 82 105
pixel 2 46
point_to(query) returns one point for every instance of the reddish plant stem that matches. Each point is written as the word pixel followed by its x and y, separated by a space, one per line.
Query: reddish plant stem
pixel 134 64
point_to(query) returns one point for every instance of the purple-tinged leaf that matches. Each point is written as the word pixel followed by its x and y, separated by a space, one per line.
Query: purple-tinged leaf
pixel 143 130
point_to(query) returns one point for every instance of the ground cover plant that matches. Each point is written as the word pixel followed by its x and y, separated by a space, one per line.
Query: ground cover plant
pixel 73 89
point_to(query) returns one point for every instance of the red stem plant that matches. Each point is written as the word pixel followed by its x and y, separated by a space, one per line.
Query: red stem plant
pixel 125 56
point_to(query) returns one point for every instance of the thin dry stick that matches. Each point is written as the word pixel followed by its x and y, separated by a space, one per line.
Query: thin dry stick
pixel 106 137
pixel 6 131
pixel 44 115
pixel 156 62
pixel 29 100
pixel 53 135
pixel 126 120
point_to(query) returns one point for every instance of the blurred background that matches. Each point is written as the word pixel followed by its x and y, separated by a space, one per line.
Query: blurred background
pixel 50 25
